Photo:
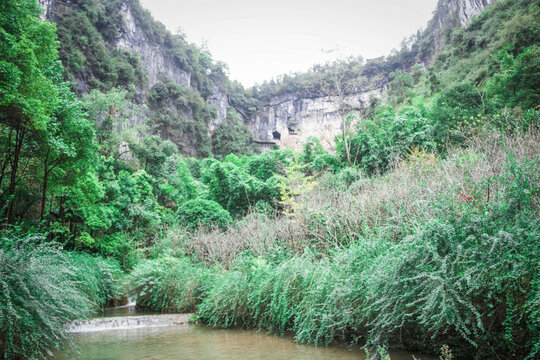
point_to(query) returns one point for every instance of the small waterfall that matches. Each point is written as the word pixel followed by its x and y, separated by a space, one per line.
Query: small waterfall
pixel 128 322
pixel 132 301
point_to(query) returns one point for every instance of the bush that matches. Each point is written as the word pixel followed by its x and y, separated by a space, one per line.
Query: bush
pixel 169 284
pixel 102 280
pixel 233 137
pixel 381 143
pixel 462 270
pixel 40 294
pixel 197 212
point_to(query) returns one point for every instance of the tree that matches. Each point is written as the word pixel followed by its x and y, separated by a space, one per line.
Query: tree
pixel 233 137
pixel 337 82
pixel 28 96
pixel 111 110
pixel 400 88
pixel 68 146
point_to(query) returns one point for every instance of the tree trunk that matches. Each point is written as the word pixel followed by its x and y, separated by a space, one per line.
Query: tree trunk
pixel 343 125
pixel 19 139
pixel 45 180
pixel 6 161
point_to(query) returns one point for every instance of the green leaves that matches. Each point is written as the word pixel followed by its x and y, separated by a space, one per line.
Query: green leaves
pixel 200 212
pixel 233 137
pixel 44 288
pixel 27 50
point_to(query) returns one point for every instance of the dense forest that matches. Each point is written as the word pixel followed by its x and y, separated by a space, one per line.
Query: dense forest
pixel 420 231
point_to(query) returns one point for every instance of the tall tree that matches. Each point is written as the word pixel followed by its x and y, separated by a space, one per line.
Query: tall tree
pixel 68 148
pixel 337 82
pixel 28 49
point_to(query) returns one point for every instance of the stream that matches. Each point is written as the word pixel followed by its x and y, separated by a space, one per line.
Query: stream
pixel 127 334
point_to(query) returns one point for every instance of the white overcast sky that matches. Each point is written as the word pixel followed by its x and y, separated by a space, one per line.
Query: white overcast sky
pixel 259 40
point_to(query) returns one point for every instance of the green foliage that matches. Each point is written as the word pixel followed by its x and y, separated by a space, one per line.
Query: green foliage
pixel 169 284
pixel 356 259
pixel 44 288
pixel 236 190
pixel 240 99
pixel 518 81
pixel 85 31
pixel 28 48
pixel 102 280
pixel 378 144
pixel 469 55
pixel 181 115
pixel 233 137
pixel 448 282
pixel 42 123
pixel 400 88
pixel 455 111
pixel 111 112
pixel 194 213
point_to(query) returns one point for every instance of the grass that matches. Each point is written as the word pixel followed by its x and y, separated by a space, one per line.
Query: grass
pixel 438 251
pixel 43 288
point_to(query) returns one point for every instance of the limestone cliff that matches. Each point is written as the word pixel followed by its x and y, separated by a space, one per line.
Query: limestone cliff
pixel 288 120
pixel 132 33
pixel 452 13
pixel 155 59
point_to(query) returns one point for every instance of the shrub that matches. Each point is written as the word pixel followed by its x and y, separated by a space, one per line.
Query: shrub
pixel 101 279
pixel 254 233
pixel 460 270
pixel 233 137
pixel 194 213
pixel 40 294
pixel 169 284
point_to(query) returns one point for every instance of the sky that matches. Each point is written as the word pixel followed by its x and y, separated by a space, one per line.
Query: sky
pixel 260 40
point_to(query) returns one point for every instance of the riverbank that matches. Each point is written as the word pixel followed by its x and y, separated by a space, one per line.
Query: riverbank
pixel 437 252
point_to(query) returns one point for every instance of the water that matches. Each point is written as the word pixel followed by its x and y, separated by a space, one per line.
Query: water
pixel 128 322
pixel 194 342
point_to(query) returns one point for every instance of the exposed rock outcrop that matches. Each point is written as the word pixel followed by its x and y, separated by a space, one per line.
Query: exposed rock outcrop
pixel 154 58
pixel 290 120
pixel 220 100
pixel 46 5
pixel 286 120
pixel 468 8
pixel 452 13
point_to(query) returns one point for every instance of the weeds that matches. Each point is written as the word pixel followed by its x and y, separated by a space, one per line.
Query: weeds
pixel 437 251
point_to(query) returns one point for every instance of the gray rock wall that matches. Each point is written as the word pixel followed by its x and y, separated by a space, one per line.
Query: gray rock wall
pixel 469 8
pixel 461 10
pixel 46 5
pixel 289 121
pixel 154 58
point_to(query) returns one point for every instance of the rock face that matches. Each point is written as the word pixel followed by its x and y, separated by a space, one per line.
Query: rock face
pixel 154 58
pixel 46 5
pixel 220 100
pixel 289 120
pixel 469 8
pixel 451 13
